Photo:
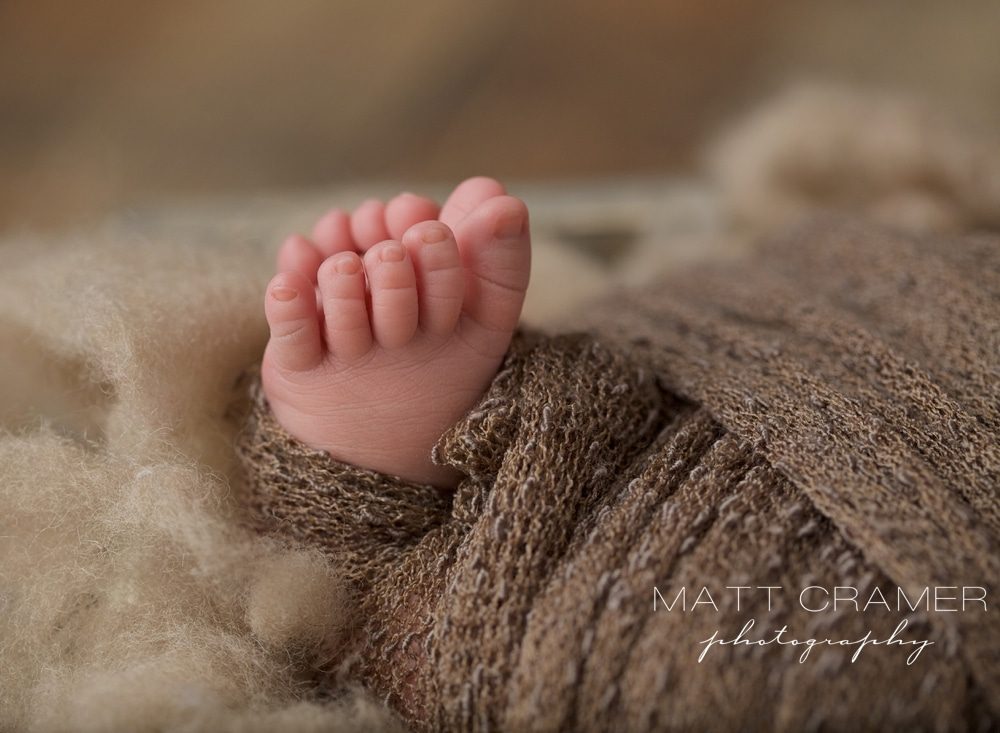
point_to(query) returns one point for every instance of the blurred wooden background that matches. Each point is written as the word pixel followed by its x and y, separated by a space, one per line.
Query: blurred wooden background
pixel 109 103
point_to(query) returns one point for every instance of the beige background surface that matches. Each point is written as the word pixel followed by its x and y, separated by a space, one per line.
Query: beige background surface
pixel 109 103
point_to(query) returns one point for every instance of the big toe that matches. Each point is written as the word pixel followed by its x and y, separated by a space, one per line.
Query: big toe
pixel 495 245
pixel 467 196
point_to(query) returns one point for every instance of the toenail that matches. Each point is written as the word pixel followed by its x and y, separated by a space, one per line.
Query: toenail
pixel 346 265
pixel 392 253
pixel 432 235
pixel 509 226
pixel 282 293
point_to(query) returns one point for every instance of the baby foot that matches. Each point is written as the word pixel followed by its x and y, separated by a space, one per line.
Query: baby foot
pixel 388 324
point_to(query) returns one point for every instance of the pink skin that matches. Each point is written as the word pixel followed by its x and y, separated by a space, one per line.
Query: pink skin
pixel 388 324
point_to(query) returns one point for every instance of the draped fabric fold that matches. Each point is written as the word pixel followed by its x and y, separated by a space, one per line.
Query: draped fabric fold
pixel 825 413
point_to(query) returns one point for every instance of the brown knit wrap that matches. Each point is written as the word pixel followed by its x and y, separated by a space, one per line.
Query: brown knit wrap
pixel 827 414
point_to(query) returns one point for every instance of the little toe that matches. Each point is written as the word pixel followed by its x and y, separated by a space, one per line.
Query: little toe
pixel 368 224
pixel 440 278
pixel 406 210
pixel 495 245
pixel 290 308
pixel 345 309
pixel 332 233
pixel 393 287
pixel 467 196
pixel 299 254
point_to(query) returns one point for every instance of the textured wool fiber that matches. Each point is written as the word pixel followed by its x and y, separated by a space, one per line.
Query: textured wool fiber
pixel 132 597
pixel 896 159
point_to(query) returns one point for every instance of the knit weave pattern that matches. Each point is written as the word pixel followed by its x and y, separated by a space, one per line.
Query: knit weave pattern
pixel 825 412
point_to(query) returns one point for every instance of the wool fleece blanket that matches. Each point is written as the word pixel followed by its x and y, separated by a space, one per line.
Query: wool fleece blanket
pixel 818 414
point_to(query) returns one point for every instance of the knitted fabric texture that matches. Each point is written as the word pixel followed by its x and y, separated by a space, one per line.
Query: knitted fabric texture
pixel 826 413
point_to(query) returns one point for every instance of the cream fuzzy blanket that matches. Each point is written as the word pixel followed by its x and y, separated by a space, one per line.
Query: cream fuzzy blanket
pixel 132 597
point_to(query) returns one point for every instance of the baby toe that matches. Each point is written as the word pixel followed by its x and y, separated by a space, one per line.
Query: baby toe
pixel 495 246
pixel 406 210
pixel 343 293
pixel 393 287
pixel 368 224
pixel 440 278
pixel 290 309
pixel 467 195
pixel 299 254
pixel 332 233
